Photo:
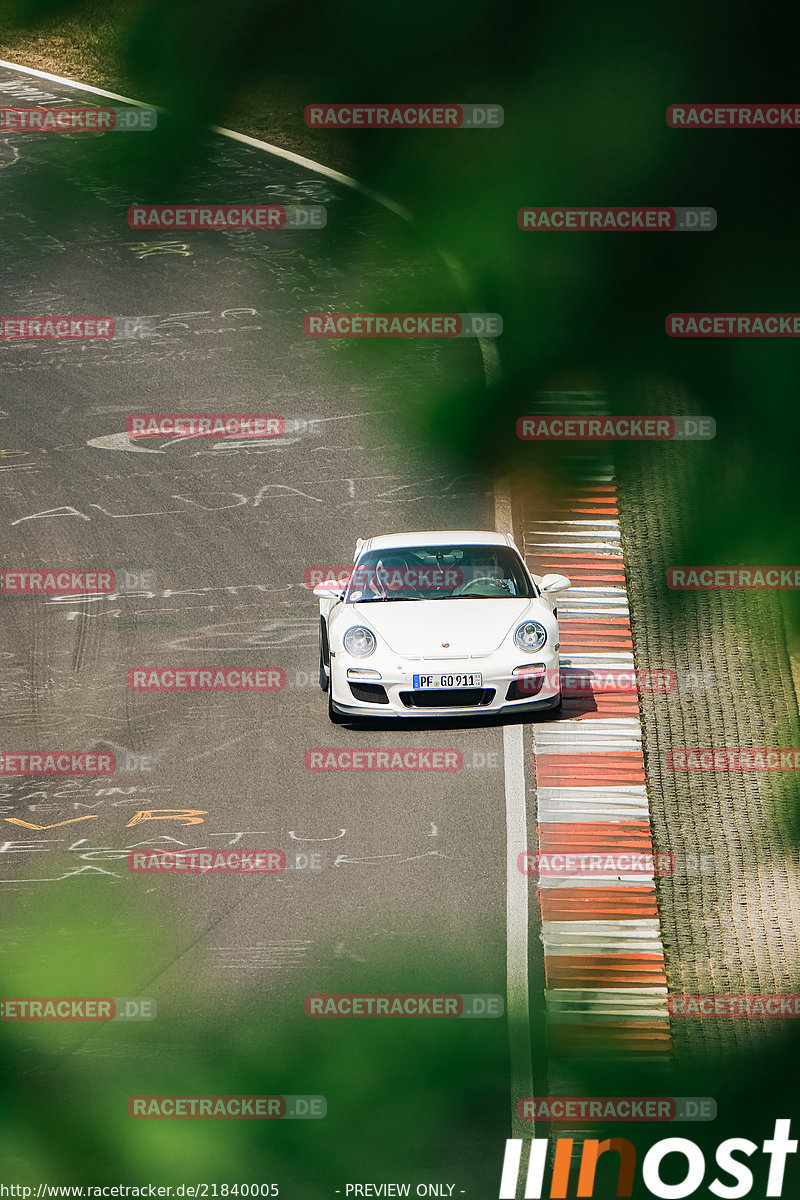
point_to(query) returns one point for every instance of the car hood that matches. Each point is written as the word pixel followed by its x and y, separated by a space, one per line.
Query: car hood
pixel 418 628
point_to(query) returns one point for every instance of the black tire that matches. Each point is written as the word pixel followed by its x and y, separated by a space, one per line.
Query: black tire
pixel 324 682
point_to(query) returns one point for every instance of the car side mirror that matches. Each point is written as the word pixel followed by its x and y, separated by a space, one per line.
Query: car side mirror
pixel 555 583
pixel 330 589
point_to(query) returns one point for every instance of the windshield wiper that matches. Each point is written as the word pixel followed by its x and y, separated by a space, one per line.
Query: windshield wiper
pixel 385 599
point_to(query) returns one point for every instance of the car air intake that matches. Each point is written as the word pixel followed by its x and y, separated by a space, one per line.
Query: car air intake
pixel 448 697
pixel 525 688
pixel 370 693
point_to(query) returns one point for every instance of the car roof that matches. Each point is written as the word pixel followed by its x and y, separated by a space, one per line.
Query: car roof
pixel 434 537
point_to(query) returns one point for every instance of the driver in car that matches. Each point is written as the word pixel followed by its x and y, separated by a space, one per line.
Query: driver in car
pixel 394 579
pixel 485 577
pixel 391 579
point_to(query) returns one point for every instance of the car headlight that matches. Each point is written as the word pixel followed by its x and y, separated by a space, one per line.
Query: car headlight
pixel 530 635
pixel 359 641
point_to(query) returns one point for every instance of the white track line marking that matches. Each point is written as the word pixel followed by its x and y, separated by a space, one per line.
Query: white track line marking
pixel 517 900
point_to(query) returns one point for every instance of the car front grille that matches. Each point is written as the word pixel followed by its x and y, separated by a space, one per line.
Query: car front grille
pixel 448 697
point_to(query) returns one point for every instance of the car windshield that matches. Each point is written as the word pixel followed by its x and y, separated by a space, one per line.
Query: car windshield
pixel 438 573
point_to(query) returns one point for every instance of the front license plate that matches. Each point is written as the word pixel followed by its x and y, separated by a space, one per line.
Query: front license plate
pixel 448 681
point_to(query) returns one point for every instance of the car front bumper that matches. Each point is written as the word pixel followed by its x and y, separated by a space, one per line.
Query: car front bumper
pixel 351 696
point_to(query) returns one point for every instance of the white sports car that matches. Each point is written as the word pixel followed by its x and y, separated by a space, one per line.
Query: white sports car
pixel 448 622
